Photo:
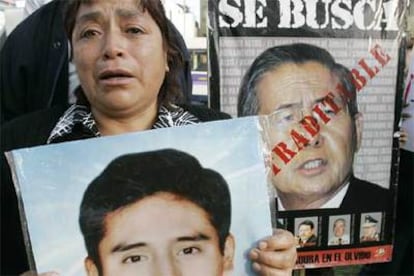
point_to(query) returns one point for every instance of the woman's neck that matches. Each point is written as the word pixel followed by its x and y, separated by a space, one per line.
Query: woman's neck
pixel 125 123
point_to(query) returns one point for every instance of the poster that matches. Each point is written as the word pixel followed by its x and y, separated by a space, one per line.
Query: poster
pixel 362 36
pixel 51 192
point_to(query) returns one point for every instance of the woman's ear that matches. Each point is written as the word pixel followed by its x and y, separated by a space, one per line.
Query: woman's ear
pixel 228 256
pixel 90 267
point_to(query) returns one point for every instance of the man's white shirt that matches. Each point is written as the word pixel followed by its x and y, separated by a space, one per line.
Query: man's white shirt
pixel 339 240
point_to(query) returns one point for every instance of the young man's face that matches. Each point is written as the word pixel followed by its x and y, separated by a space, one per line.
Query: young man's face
pixel 318 170
pixel 161 235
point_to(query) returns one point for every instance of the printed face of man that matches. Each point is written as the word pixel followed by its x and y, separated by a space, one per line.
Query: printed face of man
pixel 321 167
pixel 119 54
pixel 161 235
pixel 339 228
pixel 369 231
pixel 305 232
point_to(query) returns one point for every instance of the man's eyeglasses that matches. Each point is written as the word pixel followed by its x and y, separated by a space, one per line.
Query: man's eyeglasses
pixel 329 107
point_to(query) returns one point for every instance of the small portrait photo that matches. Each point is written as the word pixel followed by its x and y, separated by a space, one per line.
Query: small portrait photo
pixel 306 230
pixel 370 227
pixel 339 229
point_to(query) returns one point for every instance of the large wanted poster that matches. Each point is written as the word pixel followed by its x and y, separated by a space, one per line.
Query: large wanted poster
pixel 51 181
pixel 363 36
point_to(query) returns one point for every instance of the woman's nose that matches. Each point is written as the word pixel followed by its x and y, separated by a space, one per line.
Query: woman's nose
pixel 113 45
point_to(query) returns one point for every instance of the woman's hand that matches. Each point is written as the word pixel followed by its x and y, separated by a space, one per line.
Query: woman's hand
pixel 275 255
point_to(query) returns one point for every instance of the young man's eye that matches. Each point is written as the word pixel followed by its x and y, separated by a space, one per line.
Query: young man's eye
pixel 189 251
pixel 135 259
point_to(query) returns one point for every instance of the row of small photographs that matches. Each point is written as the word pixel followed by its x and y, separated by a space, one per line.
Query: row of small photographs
pixel 339 233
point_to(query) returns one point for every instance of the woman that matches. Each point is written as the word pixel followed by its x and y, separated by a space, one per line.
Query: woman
pixel 127 67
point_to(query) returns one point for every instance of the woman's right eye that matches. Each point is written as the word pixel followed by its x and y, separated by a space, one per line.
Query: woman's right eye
pixel 89 34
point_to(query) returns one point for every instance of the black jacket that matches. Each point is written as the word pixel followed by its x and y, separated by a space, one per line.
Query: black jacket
pixel 365 196
pixel 34 63
pixel 33 130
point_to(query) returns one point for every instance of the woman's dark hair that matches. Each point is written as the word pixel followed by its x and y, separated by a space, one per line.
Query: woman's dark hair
pixel 170 91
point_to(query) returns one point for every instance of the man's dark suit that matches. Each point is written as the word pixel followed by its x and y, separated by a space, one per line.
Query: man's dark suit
pixel 309 242
pixel 364 196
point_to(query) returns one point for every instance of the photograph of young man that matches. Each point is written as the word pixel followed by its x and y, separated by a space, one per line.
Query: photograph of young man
pixel 157 213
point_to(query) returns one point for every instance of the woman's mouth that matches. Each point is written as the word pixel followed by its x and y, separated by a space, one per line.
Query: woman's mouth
pixel 115 77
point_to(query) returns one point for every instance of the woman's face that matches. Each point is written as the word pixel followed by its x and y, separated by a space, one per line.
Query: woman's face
pixel 120 58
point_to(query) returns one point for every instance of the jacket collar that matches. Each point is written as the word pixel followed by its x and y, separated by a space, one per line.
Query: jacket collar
pixel 78 122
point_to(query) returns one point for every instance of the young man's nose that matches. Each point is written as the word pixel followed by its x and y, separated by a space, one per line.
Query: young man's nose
pixel 168 267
